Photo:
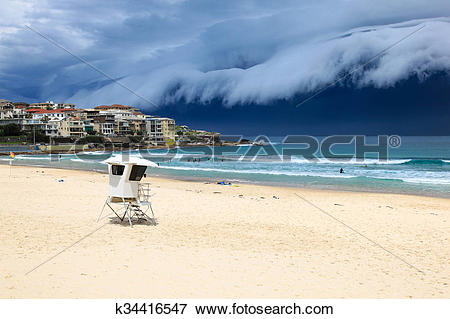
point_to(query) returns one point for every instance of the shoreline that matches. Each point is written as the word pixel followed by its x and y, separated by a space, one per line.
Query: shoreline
pixel 246 182
pixel 108 149
pixel 214 241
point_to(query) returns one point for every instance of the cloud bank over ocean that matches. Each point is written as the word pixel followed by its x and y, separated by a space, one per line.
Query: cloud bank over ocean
pixel 197 51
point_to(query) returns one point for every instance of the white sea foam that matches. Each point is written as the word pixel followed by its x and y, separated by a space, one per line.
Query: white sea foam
pixel 81 160
pixel 95 153
pixel 268 172
pixel 32 157
pixel 353 161
pixel 419 180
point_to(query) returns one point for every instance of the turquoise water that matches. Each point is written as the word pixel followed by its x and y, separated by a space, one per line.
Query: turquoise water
pixel 421 165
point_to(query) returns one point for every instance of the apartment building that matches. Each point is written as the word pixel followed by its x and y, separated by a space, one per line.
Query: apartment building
pixel 57 114
pixel 64 105
pixel 103 123
pixel 49 105
pixel 89 127
pixel 6 109
pixel 62 119
pixel 137 125
pixel 51 127
pixel 160 129
pixel 154 130
pixel 121 127
pixel 32 124
pixel 71 127
pixel 6 114
pixel 6 104
pixel 116 107
pixel 104 128
pixel 168 128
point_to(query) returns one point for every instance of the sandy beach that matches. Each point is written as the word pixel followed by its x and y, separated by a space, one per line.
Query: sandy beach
pixel 215 241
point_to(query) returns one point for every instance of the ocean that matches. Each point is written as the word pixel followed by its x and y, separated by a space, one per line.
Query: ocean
pixel 420 165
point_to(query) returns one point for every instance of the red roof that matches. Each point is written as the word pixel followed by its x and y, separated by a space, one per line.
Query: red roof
pixel 32 110
pixel 114 106
pixel 40 111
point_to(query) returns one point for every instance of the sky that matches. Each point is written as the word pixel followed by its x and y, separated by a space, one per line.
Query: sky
pixel 238 66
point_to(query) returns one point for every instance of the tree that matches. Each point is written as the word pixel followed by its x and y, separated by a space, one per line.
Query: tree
pixel 136 139
pixel 39 136
pixel 11 129
pixel 170 142
pixel 95 139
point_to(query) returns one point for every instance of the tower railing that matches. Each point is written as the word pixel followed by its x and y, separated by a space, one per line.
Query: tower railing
pixel 144 192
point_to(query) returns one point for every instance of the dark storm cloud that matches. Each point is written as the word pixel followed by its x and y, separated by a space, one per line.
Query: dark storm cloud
pixel 198 51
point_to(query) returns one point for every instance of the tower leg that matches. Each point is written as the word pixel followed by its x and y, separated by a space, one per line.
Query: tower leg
pixel 128 215
pixel 99 216
pixel 153 214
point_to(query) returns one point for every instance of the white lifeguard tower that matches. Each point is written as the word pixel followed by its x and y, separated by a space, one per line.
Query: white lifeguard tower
pixel 128 197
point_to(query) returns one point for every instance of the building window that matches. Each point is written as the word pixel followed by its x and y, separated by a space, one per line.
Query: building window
pixel 117 169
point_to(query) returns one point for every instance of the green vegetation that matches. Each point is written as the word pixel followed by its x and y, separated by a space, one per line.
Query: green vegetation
pixel 170 142
pixel 95 139
pixel 12 134
pixel 38 136
pixel 136 139
pixel 13 139
pixel 10 130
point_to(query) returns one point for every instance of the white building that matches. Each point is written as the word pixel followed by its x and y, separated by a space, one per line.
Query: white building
pixel 105 128
pixel 51 127
pixel 58 114
pixel 6 114
pixel 6 109
pixel 32 124
pixel 64 105
pixel 19 112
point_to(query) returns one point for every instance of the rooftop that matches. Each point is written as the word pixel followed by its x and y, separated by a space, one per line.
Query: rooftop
pixel 40 111
pixel 32 110
pixel 114 106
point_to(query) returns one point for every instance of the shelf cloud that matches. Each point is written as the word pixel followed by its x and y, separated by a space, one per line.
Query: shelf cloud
pixel 198 51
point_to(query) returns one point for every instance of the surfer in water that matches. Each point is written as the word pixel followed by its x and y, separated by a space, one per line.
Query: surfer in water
pixel 341 171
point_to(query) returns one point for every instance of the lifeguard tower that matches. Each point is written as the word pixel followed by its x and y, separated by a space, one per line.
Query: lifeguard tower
pixel 128 196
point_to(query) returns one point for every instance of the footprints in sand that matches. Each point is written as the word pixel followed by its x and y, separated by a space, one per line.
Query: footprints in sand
pixel 257 198
pixel 196 191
